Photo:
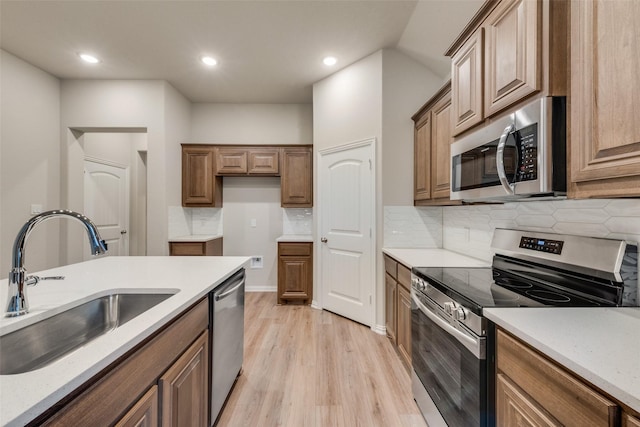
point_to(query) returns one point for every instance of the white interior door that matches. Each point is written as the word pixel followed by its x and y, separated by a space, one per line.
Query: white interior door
pixel 106 203
pixel 346 207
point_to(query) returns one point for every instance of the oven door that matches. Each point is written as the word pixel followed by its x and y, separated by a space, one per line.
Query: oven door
pixel 450 365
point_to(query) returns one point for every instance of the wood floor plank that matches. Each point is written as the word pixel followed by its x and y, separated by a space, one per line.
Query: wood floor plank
pixel 310 368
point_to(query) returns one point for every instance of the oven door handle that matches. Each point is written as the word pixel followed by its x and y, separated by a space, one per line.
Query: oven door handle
pixel 470 343
pixel 509 188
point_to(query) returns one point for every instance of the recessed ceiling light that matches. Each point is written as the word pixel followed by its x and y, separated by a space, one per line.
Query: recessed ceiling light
pixel 329 61
pixel 89 58
pixel 209 60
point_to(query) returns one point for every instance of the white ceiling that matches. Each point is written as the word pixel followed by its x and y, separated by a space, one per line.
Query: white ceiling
pixel 268 51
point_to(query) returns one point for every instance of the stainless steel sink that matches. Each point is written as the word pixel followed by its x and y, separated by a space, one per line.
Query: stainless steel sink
pixel 41 343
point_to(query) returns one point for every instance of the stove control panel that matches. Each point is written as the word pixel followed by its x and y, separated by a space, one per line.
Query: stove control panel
pixel 541 245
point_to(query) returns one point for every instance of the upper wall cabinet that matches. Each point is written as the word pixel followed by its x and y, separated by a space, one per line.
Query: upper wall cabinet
pixel 297 177
pixel 203 167
pixel 200 187
pixel 605 99
pixel 511 50
pixel 431 155
pixel 248 161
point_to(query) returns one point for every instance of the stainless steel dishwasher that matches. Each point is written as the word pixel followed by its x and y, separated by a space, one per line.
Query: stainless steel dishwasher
pixel 227 339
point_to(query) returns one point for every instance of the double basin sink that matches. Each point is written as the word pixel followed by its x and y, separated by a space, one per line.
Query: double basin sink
pixel 41 343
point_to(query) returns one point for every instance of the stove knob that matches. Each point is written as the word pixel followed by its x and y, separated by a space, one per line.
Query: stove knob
pixel 421 285
pixel 448 308
pixel 460 314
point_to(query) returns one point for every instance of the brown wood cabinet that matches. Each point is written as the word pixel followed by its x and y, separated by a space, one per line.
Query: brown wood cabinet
pixel 295 272
pixel 398 307
pixel 247 160
pixel 297 177
pixel 511 50
pixel 512 53
pixel 630 421
pixel 144 413
pixel 184 387
pixel 534 390
pixel 432 144
pixel 203 167
pixel 209 248
pixel 467 79
pixel 200 187
pixel 115 394
pixel 604 103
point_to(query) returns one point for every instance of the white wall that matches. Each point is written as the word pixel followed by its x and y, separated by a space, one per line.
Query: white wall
pixel 251 123
pixel 375 97
pixel 248 198
pixel 30 160
pixel 125 105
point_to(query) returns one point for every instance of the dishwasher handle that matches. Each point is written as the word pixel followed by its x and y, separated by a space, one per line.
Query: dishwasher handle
pixel 225 294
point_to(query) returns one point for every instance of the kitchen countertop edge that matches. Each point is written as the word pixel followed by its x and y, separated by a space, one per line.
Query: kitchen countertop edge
pixel 195 238
pixel 433 257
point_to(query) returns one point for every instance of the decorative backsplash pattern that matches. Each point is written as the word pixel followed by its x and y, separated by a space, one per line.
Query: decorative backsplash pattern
pixel 469 229
pixel 412 227
pixel 297 221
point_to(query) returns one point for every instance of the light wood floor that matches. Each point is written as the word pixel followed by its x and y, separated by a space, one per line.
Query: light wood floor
pixel 307 367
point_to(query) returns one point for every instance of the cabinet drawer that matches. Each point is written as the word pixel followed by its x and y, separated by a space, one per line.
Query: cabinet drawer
pixel 295 249
pixel 391 266
pixel 404 276
pixel 186 249
pixel 565 397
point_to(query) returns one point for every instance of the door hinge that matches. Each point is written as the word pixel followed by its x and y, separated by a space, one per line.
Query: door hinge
pixel 370 299
pixel 370 166
pixel 370 233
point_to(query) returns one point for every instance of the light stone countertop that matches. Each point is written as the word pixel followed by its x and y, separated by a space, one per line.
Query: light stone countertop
pixel 295 238
pixel 25 396
pixel 194 238
pixel 601 345
pixel 419 257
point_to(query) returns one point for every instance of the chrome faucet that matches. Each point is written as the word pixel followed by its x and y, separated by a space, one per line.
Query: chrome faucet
pixel 18 303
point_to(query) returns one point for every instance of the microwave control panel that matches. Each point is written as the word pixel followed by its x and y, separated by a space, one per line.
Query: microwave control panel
pixel 527 143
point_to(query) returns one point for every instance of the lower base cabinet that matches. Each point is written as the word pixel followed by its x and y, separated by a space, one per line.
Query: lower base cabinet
pixel 167 373
pixel 295 272
pixel 144 413
pixel 208 248
pixel 532 390
pixel 398 307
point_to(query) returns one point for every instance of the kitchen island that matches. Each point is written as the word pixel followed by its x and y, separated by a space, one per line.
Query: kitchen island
pixel 23 397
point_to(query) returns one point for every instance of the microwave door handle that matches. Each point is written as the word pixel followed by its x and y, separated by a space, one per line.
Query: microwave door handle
pixel 509 188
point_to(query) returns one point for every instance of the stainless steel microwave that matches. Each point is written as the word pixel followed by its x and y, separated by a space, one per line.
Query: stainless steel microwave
pixel 516 156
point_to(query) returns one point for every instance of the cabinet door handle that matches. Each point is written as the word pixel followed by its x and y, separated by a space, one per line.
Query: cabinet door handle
pixel 123 232
pixel 323 240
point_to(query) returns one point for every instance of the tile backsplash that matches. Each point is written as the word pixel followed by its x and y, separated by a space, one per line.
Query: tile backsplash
pixel 297 221
pixel 412 227
pixel 469 229
pixel 188 221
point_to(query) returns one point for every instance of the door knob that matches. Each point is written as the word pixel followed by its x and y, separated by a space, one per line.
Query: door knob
pixel 123 232
pixel 323 240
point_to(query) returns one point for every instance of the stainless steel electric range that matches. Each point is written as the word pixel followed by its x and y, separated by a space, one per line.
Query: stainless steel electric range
pixel 453 344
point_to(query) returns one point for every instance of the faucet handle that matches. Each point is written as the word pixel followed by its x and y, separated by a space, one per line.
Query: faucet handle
pixel 34 280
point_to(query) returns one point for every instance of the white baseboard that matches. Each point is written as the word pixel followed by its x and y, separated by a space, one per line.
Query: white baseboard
pixel 379 329
pixel 258 288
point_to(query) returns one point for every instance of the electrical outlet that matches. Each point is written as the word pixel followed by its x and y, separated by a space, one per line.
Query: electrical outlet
pixel 36 209
pixel 257 261
pixel 254 223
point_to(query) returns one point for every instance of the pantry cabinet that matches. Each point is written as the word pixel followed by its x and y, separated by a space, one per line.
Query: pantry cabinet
pixel 604 102
pixel 398 307
pixel 534 390
pixel 200 187
pixel 510 51
pixel 295 272
pixel 431 155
